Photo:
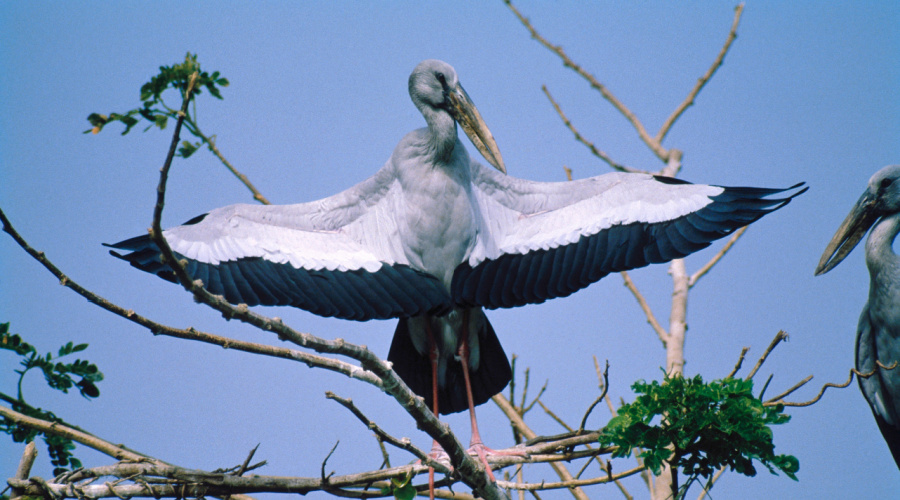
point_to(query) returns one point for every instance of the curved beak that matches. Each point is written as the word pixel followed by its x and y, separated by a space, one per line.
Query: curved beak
pixel 466 114
pixel 852 230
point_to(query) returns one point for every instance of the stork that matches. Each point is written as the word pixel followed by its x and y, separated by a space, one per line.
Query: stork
pixel 434 238
pixel 878 331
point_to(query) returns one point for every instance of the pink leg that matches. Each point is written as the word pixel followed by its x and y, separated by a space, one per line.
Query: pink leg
pixel 476 445
pixel 433 355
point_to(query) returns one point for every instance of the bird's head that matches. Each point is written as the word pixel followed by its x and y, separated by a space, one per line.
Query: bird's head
pixel 881 198
pixel 434 88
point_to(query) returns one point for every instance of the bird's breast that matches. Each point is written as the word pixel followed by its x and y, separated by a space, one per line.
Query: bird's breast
pixel 437 226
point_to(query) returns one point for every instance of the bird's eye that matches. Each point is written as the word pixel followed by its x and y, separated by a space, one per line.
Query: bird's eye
pixel 886 182
pixel 441 78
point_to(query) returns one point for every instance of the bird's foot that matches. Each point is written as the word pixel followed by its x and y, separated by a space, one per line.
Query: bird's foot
pixel 478 449
pixel 438 455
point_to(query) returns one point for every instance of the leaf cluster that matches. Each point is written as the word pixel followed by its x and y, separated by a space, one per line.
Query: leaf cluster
pixel 401 489
pixel 699 427
pixel 58 375
pixel 153 108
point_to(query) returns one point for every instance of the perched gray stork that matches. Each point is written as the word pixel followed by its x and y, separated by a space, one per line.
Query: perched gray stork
pixel 878 332
pixel 434 238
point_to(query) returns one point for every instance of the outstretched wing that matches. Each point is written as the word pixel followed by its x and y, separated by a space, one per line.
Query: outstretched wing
pixel 338 256
pixel 545 240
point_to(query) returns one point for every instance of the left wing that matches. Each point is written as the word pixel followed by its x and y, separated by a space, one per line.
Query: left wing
pixel 545 240
pixel 338 256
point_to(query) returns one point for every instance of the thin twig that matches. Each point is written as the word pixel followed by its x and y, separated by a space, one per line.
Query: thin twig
pixel 601 385
pixel 80 437
pixel 712 481
pixel 569 484
pixel 556 417
pixel 740 362
pixel 518 422
pixel 580 138
pixel 781 335
pixel 853 371
pixel 689 101
pixel 651 319
pixel 790 391
pixel 651 143
pixel 717 257
pixel 537 398
pixel 211 144
pixel 599 398
pixel 325 461
pixel 403 444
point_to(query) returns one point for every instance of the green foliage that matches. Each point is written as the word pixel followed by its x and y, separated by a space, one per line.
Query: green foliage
pixel 699 427
pixel 58 375
pixel 401 489
pixel 153 108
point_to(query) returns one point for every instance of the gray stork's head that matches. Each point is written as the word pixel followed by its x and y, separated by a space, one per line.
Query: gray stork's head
pixel 881 198
pixel 435 89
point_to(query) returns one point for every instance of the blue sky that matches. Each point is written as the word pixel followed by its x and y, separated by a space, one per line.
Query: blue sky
pixel 809 92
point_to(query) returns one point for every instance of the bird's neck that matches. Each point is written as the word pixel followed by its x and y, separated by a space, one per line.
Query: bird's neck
pixel 443 134
pixel 881 260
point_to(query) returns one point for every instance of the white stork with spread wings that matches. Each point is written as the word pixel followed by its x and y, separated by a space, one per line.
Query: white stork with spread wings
pixel 434 238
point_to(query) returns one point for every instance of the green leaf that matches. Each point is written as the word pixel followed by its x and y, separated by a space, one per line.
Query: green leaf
pixel 699 427
pixel 405 492
pixel 187 149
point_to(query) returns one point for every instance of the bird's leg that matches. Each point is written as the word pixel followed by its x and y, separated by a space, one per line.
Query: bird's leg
pixel 433 354
pixel 476 445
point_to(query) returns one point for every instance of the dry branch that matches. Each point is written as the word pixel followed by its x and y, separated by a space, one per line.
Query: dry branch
pixel 689 101
pixel 654 146
pixel 580 138
pixel 651 318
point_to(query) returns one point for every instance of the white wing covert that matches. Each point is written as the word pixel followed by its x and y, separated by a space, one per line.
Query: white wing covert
pixel 546 240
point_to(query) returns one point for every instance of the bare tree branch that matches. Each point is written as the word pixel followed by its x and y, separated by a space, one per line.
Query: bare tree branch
pixel 54 428
pixel 792 389
pixel 519 423
pixel 689 101
pixel 717 257
pixel 605 388
pixel 781 335
pixel 879 366
pixel 580 138
pixel 651 319
pixel 571 484
pixel 651 143
pixel 740 362
pixel 211 144
pixel 403 444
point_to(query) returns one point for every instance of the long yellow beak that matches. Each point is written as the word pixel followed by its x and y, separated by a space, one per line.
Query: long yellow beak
pixel 466 114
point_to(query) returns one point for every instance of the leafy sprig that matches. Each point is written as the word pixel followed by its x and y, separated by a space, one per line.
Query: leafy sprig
pixel 58 375
pixel 155 110
pixel 699 427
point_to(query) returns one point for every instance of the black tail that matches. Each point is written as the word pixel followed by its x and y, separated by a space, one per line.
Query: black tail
pixel 891 435
pixel 415 369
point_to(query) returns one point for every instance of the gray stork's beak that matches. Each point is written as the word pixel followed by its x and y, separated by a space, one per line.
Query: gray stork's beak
pixel 852 230
pixel 466 114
